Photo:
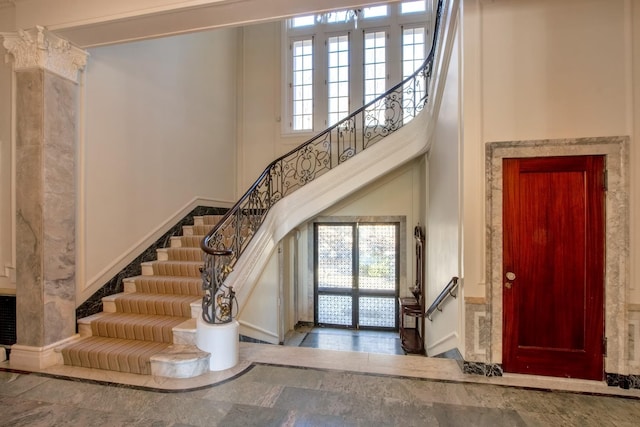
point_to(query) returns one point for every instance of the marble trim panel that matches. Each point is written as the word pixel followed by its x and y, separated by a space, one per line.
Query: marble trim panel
pixel 93 304
pixel 477 331
pixel 616 150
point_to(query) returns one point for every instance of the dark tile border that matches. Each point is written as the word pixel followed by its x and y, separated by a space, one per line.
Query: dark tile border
pixel 93 304
pixel 244 338
pixel 130 386
pixel 479 368
pixel 495 370
pixel 623 381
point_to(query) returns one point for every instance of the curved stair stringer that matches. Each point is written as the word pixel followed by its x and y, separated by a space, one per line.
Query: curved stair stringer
pixel 412 140
pixel 409 142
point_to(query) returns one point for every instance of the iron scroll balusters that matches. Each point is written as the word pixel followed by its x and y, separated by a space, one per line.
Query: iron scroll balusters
pixel 217 303
pixel 226 242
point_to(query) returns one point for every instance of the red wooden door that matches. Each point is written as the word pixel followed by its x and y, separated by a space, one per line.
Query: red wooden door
pixel 553 258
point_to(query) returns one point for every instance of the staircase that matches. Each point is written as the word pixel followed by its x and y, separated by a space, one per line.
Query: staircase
pixel 149 329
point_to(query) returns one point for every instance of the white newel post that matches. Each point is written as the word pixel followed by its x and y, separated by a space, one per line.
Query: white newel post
pixel 221 340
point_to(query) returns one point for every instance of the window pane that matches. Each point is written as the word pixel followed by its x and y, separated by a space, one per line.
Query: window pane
pixel 338 78
pixel 374 12
pixel 302 85
pixel 377 255
pixel 334 310
pixel 375 74
pixel 413 56
pixel 335 256
pixel 413 6
pixel 333 17
pixel 377 312
pixel 302 21
pixel 375 62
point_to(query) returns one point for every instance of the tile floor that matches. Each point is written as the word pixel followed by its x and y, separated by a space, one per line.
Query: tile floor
pixel 300 386
pixel 269 395
pixel 367 341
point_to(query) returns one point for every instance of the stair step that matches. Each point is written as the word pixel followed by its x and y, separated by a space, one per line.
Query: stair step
pixel 187 241
pixel 112 354
pixel 157 304
pixel 180 361
pixel 201 229
pixel 185 333
pixel 172 268
pixel 177 285
pixel 150 328
pixel 210 219
pixel 185 254
pixel 133 326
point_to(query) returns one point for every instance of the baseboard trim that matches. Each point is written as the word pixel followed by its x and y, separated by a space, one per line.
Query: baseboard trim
pixel 257 333
pixel 36 358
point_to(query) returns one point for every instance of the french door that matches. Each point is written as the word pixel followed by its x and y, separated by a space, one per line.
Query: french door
pixel 356 275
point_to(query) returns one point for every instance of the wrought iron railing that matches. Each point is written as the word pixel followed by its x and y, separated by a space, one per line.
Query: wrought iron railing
pixel 226 242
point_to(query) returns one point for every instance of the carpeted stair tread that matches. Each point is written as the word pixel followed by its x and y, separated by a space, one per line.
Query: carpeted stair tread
pixel 191 241
pixel 185 254
pixel 160 304
pixel 133 326
pixel 177 285
pixel 211 220
pixel 177 268
pixel 113 354
pixel 201 229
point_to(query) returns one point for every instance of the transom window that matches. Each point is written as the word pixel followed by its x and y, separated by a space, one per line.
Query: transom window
pixel 338 61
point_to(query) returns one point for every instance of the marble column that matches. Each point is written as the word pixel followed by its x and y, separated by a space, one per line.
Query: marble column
pixel 46 71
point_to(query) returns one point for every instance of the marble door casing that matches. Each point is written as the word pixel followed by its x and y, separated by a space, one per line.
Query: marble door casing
pixel 484 316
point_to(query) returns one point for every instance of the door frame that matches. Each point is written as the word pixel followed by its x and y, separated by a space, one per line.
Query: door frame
pixel 355 292
pixel 616 152
pixel 403 250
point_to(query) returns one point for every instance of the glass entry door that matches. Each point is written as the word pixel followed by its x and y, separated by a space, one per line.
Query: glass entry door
pixel 356 275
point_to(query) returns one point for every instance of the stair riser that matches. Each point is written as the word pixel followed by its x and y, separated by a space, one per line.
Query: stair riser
pixel 149 329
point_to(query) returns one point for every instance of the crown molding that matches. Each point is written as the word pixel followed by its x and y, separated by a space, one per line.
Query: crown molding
pixel 39 48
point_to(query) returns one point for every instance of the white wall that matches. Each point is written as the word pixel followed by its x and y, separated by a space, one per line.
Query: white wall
pixel 7 261
pixel 260 317
pixel 259 109
pixel 540 69
pixel 158 132
pixel 396 194
pixel 443 216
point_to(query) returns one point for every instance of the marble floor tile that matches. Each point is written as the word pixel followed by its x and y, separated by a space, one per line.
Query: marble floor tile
pixel 12 383
pixel 247 415
pixel 270 395
pixel 460 415
pixel 348 340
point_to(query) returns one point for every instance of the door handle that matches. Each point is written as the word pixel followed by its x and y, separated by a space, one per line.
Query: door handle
pixel 510 277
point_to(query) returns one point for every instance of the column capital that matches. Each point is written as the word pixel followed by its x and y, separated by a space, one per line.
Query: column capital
pixel 38 47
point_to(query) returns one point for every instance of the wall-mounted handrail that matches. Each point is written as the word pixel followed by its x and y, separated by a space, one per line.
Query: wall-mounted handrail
pixel 448 291
pixel 226 242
